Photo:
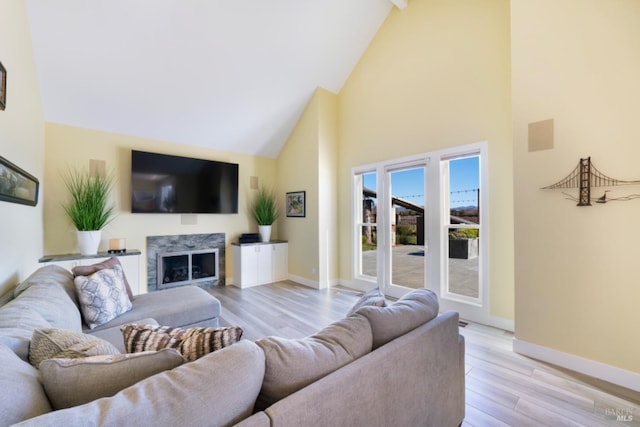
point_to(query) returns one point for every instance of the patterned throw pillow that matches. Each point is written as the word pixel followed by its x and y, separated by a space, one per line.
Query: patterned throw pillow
pixel 102 296
pixel 48 343
pixel 87 270
pixel 371 298
pixel 200 341
pixel 141 337
pixel 192 343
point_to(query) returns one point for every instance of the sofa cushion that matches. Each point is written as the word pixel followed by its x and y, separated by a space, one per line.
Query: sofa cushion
pixel 22 393
pixel 291 364
pixel 218 389
pixel 87 270
pixel 180 306
pixel 102 295
pixel 52 276
pixel 52 303
pixel 51 342
pixel 373 298
pixel 17 323
pixel 192 343
pixel 72 382
pixel 409 312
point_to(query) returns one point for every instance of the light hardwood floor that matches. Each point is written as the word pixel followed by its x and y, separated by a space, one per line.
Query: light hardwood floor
pixel 502 387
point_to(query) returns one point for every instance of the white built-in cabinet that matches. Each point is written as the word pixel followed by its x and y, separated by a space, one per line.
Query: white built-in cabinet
pixel 259 263
pixel 130 262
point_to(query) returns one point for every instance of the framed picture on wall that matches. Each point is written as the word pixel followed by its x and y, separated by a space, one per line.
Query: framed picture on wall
pixel 17 185
pixel 3 87
pixel 295 204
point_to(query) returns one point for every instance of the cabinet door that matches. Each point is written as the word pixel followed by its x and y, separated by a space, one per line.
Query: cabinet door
pixel 280 262
pixel 265 267
pixel 248 261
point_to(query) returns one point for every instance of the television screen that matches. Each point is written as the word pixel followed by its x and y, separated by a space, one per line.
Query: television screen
pixel 163 183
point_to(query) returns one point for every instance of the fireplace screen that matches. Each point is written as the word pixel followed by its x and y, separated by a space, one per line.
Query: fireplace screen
pixel 182 268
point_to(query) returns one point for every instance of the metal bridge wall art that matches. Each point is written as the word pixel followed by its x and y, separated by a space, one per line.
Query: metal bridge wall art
pixel 584 177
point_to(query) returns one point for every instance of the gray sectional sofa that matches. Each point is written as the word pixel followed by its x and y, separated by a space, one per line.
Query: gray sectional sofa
pixel 401 365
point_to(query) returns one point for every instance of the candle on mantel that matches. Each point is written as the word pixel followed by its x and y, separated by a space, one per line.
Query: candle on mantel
pixel 117 245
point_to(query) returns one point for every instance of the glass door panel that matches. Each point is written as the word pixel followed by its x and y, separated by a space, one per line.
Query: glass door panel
pixel 462 228
pixel 367 216
pixel 406 223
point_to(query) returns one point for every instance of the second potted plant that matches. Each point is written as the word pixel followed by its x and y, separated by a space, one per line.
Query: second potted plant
pixel 88 207
pixel 265 211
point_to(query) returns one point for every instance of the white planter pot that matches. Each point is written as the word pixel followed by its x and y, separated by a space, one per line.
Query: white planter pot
pixel 88 241
pixel 265 232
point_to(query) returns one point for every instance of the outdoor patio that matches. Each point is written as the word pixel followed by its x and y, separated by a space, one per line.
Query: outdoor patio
pixel 408 268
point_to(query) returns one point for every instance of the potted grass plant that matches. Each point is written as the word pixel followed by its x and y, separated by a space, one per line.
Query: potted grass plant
pixel 265 211
pixel 88 206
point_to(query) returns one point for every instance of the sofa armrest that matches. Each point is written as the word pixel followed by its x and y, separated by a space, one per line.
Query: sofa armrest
pixel 219 389
pixel 414 380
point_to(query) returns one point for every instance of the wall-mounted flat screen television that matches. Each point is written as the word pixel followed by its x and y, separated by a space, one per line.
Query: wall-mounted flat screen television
pixel 162 183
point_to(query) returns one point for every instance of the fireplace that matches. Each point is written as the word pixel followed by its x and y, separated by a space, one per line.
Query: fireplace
pixel 186 267
pixel 185 259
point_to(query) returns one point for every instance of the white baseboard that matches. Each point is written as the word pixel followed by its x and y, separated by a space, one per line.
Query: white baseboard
pixel 493 321
pixel 621 377
pixel 304 281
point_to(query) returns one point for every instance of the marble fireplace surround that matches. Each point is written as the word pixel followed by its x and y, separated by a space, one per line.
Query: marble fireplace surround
pixel 182 243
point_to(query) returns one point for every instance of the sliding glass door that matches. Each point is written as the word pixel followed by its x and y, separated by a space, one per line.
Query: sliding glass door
pixel 420 223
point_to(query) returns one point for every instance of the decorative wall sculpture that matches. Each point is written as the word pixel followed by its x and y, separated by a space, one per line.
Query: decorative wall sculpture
pixel 584 177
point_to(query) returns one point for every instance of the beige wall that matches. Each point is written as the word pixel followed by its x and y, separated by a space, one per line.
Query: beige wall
pixel 308 162
pixel 298 171
pixel 328 187
pixel 70 147
pixel 22 143
pixel 576 268
pixel 436 75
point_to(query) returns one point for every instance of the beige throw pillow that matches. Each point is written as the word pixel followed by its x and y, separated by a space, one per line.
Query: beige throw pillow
pixel 73 382
pixel 48 343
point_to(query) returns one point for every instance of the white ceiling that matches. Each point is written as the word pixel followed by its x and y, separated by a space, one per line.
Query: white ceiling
pixel 230 75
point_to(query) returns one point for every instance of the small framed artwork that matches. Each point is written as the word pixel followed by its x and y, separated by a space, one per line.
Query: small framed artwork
pixel 3 87
pixel 295 204
pixel 16 185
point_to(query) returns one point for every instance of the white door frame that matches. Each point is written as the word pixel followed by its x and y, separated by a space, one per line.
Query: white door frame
pixel 436 246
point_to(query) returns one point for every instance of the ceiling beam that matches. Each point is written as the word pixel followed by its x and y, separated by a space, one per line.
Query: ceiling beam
pixel 400 4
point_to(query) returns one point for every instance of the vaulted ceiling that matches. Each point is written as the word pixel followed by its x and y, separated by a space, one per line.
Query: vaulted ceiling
pixel 230 75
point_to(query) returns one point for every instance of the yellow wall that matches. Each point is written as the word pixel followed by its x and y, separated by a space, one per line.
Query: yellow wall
pixel 576 268
pixel 328 187
pixel 22 143
pixel 71 147
pixel 308 163
pixel 298 171
pixel 436 75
